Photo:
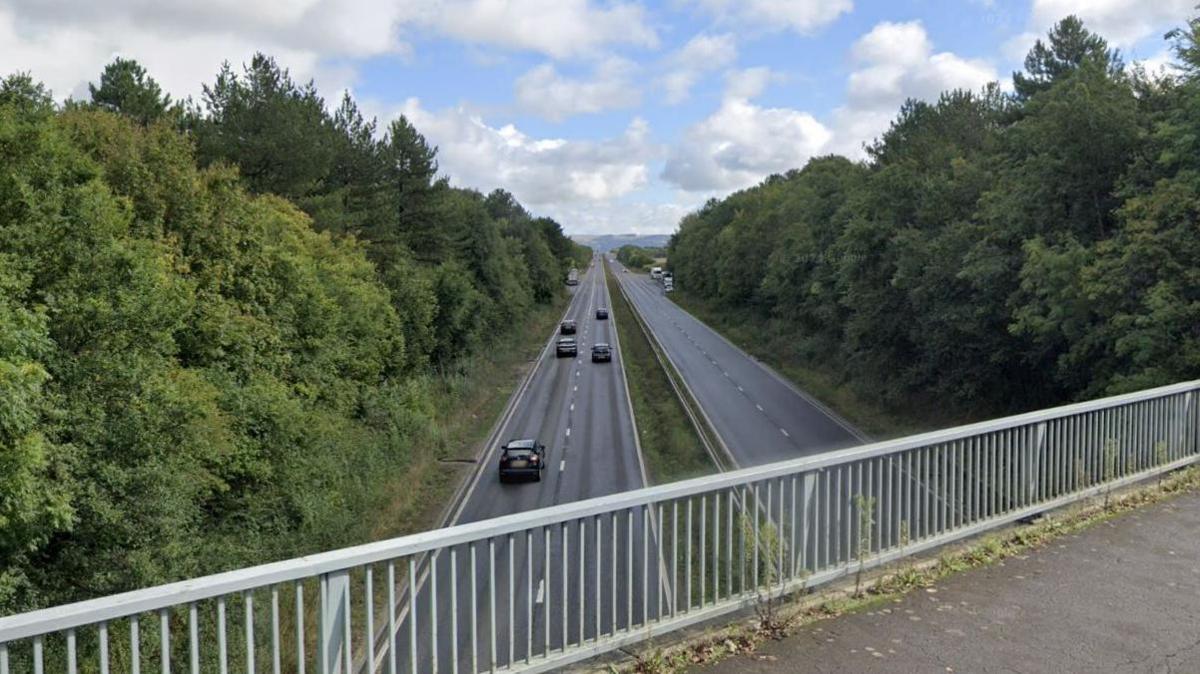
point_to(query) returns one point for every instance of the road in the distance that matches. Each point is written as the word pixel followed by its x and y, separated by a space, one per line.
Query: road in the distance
pixel 758 415
pixel 580 411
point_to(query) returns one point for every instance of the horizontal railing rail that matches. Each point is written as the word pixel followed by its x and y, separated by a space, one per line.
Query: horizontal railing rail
pixel 535 590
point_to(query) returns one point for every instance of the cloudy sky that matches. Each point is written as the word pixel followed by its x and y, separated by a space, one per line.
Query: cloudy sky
pixel 609 115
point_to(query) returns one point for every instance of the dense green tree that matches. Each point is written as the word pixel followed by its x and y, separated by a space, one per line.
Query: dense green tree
pixel 1069 47
pixel 276 132
pixel 258 369
pixel 126 88
pixel 994 252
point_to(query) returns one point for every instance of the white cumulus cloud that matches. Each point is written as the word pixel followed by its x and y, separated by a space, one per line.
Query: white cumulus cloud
pixel 700 55
pixel 801 16
pixel 556 28
pixel 538 171
pixel 65 43
pixel 895 62
pixel 740 144
pixel 545 92
pixel 1122 22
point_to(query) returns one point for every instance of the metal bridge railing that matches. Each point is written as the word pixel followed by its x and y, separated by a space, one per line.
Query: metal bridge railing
pixel 536 590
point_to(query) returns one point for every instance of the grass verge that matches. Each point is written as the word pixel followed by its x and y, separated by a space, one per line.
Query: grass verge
pixel 800 610
pixel 466 406
pixel 670 444
pixel 757 338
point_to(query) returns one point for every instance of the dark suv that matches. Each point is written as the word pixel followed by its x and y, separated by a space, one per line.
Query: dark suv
pixel 522 458
pixel 602 313
pixel 567 328
pixel 601 352
pixel 567 347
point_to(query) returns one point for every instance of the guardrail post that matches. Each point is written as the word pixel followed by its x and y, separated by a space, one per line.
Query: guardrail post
pixel 335 605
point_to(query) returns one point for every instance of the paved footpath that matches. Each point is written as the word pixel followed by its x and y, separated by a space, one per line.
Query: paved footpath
pixel 1121 596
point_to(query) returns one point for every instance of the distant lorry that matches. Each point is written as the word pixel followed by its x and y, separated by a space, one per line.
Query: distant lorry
pixel 573 277
pixel 656 273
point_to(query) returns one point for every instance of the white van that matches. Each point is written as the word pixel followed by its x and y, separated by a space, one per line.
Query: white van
pixel 656 273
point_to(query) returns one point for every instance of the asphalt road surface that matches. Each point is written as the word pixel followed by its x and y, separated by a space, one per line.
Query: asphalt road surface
pixel 580 411
pixel 759 417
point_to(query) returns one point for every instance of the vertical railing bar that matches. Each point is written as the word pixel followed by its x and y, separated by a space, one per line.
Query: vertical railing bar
pixel 779 539
pixel 687 558
pixel 848 510
pixel 194 637
pixel 248 605
pixel 412 615
pixel 103 648
pixel 703 546
pixel 135 648
pixel 613 525
pixel 599 566
pixel 222 645
pixel 729 544
pixel 474 607
pixel 454 608
pixel 754 509
pixel 582 580
pixel 938 495
pixel 716 547
pixel 368 617
pixel 299 586
pixel 646 564
pixel 660 546
pixel 391 602
pixel 4 658
pixel 492 604
pixel 512 603
pixel 38 656
pixel 767 524
pixel 164 640
pixel 72 664
pixel 742 540
pixel 433 617
pixel 566 585
pixel 674 557
pixel 547 588
pixel 528 595
pixel 474 610
pixel 792 539
pixel 629 569
pixel 275 659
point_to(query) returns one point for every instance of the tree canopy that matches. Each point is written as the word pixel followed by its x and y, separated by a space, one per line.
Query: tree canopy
pixel 994 252
pixel 221 329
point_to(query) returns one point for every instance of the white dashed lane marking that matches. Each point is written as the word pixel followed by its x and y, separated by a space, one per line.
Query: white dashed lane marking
pixel 572 407
pixel 562 465
pixel 569 432
pixel 541 593
pixel 785 433
pixel 741 389
pixel 758 406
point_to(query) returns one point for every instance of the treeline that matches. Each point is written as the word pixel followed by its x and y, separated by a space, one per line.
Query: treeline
pixel 227 328
pixel 638 257
pixel 995 252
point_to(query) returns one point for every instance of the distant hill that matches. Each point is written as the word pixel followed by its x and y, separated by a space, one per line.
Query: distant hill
pixel 606 242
